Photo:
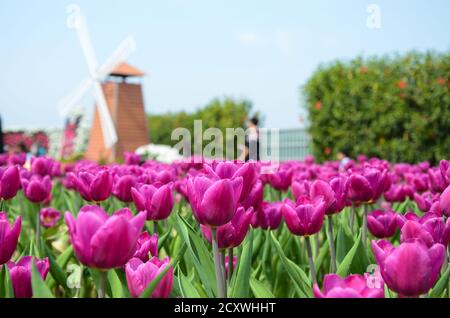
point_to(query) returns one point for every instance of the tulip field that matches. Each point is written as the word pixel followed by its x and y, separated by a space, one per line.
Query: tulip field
pixel 223 229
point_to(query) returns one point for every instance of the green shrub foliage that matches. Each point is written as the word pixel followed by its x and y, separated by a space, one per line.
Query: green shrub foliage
pixel 394 107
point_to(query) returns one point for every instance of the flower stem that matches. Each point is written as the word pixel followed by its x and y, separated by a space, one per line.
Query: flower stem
pixel 102 284
pixel 364 225
pixel 38 228
pixel 221 292
pixel 352 217
pixel 310 259
pixel 230 264
pixel 155 227
pixel 331 243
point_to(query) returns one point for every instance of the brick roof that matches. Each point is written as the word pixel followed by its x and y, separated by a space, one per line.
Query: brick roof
pixel 125 69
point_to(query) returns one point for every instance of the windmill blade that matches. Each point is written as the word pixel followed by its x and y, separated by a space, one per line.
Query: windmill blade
pixel 120 55
pixel 77 21
pixel 72 100
pixel 108 129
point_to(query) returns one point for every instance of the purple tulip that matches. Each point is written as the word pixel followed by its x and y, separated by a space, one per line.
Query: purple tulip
pixel 18 159
pixel 42 166
pixel 21 274
pixel 430 229
pixel 411 268
pixel 255 197
pixel 300 189
pixel 320 188
pixel 157 202
pixel 37 189
pixel 101 241
pixel 281 179
pixel 8 237
pixel 424 200
pixel 49 217
pixel 354 286
pixel 396 193
pixel 359 189
pixel 140 275
pixel 9 182
pixel 268 216
pixel 382 224
pixel 444 201
pixel 368 186
pixel 437 181
pixel 93 187
pixel 122 188
pixel 132 158
pixel 339 185
pixel 304 217
pixel 233 233
pixel 146 245
pixel 444 167
pixel 214 202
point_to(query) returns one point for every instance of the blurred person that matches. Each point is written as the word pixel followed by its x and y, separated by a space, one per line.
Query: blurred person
pixel 343 157
pixel 251 140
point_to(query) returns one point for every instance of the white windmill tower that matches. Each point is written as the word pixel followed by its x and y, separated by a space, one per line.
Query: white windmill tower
pixel 97 74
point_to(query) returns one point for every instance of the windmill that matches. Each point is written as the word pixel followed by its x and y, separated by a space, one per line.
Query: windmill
pixel 95 82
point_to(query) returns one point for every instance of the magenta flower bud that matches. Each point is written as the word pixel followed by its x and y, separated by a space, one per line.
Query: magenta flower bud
pixel 411 268
pixel 146 245
pixel 382 224
pixel 300 189
pixel 437 181
pixel 41 166
pixel 255 197
pixel 359 189
pixel 339 185
pixel 214 202
pixel 140 275
pixel 49 217
pixel 132 158
pixel 354 286
pixel 320 188
pixel 8 237
pixel 9 182
pixel 395 194
pixel 424 201
pixel 444 201
pixel 94 187
pixel 281 179
pixel 233 233
pixel 444 167
pixel 157 202
pixel 102 241
pixel 430 230
pixel 37 189
pixel 122 188
pixel 268 216
pixel 304 217
pixel 21 274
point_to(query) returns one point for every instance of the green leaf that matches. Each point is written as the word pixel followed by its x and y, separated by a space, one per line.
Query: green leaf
pixel 441 284
pixel 356 260
pixel 302 283
pixel 241 285
pixel 6 288
pixel 115 284
pixel 55 270
pixel 40 290
pixel 199 253
pixel 259 289
pixel 151 287
pixel 186 287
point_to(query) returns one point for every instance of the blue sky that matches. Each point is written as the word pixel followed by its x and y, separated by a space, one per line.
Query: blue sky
pixel 195 50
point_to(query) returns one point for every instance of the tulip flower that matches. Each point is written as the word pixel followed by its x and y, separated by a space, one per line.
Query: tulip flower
pixel 139 275
pixel 146 245
pixel 410 269
pixel 132 158
pixel 93 186
pixel 157 202
pixel 122 188
pixel 9 182
pixel 268 216
pixel 320 188
pixel 233 233
pixel 444 167
pixel 49 217
pixel 382 224
pixel 300 189
pixel 255 197
pixel 281 179
pixel 102 241
pixel 42 166
pixel 231 170
pixel 444 201
pixel 20 273
pixel 8 237
pixel 424 201
pixel 353 286
pixel 430 230
pixel 37 189
pixel 18 159
pixel 214 202
pixel 305 217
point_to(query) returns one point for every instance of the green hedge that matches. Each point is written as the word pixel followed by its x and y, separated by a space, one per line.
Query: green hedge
pixel 395 107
